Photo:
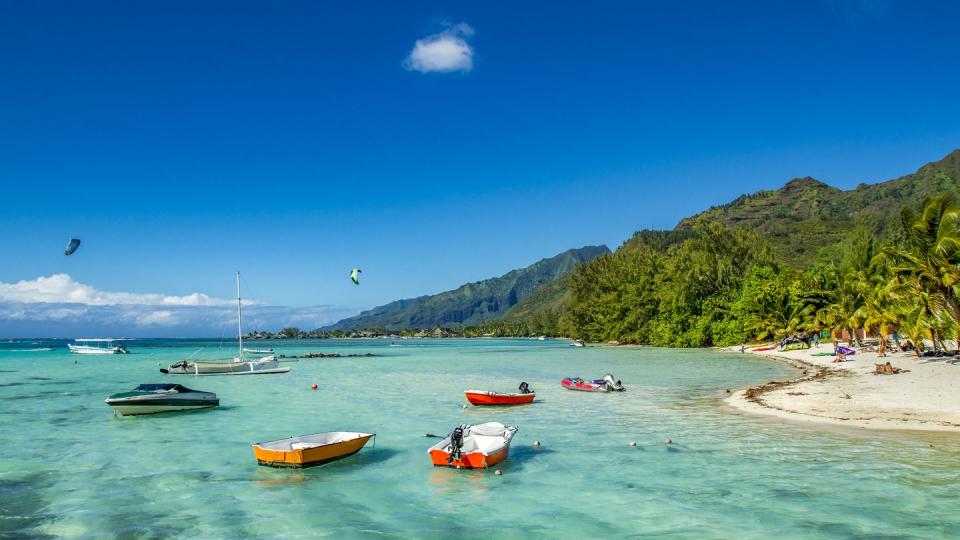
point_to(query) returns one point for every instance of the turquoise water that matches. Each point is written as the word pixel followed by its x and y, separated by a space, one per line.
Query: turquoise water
pixel 70 468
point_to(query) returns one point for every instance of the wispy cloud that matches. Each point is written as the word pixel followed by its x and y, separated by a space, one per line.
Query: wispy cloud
pixel 443 52
pixel 59 306
pixel 61 288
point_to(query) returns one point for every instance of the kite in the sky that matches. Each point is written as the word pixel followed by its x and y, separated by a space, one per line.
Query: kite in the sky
pixel 355 276
pixel 72 246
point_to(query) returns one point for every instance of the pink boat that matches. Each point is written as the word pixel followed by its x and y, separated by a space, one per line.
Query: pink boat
pixel 606 384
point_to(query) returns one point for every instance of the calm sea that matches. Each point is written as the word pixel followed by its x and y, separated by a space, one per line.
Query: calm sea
pixel 70 468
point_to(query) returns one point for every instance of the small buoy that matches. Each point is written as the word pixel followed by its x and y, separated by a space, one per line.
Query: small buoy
pixel 498 473
pixel 464 406
pixel 313 386
pixel 158 364
pixel 536 444
pixel 633 443
pixel 728 390
pixel 668 441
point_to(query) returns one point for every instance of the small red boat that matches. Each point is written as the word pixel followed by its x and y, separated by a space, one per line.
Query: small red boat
pixel 484 397
pixel 473 447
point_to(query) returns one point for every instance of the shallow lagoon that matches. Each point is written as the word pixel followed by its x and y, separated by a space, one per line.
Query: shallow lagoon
pixel 71 468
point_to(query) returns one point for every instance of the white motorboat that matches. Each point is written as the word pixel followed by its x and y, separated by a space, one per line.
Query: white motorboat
pixel 160 398
pixel 238 366
pixel 97 346
pixel 259 352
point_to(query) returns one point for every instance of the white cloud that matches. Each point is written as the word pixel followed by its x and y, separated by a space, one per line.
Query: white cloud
pixel 62 289
pixel 57 305
pixel 443 52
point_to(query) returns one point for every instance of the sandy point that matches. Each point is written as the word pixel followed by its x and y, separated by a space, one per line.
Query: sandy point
pixel 923 397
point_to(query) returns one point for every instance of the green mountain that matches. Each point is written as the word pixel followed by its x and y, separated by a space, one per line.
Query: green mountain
pixel 806 216
pixel 472 303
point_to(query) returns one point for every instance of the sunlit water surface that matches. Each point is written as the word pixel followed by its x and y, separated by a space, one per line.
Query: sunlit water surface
pixel 70 468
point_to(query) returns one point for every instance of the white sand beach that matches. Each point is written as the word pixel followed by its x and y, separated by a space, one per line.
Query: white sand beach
pixel 926 396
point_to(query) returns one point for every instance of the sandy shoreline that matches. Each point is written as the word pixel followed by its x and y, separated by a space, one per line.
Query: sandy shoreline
pixel 926 398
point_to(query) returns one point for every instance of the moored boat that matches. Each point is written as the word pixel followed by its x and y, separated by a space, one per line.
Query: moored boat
pixel 606 384
pixel 160 398
pixel 473 446
pixel 484 397
pixel 310 450
pixel 239 366
pixel 259 352
pixel 96 346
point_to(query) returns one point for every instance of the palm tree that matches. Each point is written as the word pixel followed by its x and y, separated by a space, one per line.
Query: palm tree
pixel 921 312
pixel 836 299
pixel 878 309
pixel 930 252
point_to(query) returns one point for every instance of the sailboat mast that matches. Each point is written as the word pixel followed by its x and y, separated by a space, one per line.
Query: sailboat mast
pixel 239 321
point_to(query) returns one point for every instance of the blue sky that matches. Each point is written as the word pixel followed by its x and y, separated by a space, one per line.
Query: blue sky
pixel 428 143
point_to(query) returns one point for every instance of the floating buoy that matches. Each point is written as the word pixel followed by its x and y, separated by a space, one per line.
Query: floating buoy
pixel 668 441
pixel 498 473
pixel 633 443
pixel 313 386
pixel 464 406
pixel 536 444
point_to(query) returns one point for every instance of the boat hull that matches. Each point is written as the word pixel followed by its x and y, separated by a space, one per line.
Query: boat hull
pixel 493 398
pixel 137 410
pixel 267 367
pixel 583 387
pixel 309 457
pixel 472 460
pixel 80 349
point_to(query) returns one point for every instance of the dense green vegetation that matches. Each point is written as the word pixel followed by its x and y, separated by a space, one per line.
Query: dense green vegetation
pixel 722 286
pixel 801 258
pixel 474 303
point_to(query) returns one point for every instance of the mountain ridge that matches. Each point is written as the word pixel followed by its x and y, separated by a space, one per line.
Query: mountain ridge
pixel 471 303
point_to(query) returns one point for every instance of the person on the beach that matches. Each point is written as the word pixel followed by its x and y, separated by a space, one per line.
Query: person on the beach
pixel 816 340
pixel 836 345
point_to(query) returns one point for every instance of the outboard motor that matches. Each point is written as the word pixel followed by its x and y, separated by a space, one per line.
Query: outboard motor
pixel 456 443
pixel 615 386
pixel 525 388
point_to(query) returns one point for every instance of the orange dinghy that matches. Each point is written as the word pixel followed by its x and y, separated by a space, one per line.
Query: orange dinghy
pixel 310 450
pixel 483 397
pixel 474 447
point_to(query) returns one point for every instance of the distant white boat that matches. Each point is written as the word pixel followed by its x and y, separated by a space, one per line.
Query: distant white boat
pixel 97 346
pixel 542 338
pixel 578 343
pixel 239 365
pixel 263 352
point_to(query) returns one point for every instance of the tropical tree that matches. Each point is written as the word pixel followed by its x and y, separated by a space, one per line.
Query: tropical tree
pixel 929 254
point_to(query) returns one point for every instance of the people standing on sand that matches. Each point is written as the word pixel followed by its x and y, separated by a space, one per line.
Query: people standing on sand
pixel 816 340
pixel 836 345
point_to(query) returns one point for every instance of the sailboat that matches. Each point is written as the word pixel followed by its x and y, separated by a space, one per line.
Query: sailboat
pixel 239 366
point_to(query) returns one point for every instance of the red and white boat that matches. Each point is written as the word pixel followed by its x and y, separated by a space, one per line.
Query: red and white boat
pixel 606 384
pixel 473 446
pixel 484 397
